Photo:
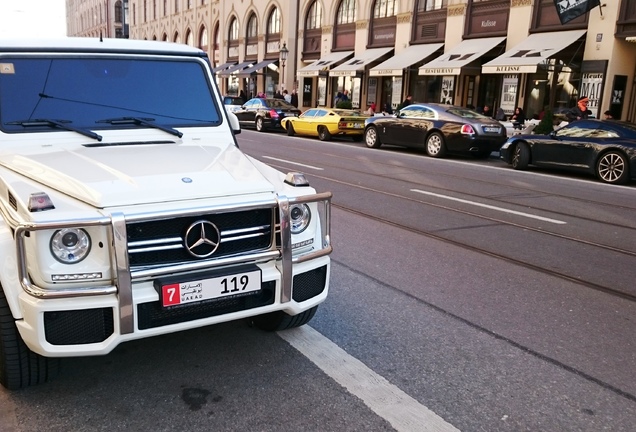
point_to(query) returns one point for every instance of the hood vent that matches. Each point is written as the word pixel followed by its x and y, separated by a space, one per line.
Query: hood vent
pixel 12 202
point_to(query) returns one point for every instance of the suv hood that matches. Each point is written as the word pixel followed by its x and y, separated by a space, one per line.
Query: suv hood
pixel 128 174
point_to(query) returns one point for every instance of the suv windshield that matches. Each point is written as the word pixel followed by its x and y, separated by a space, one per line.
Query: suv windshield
pixel 84 91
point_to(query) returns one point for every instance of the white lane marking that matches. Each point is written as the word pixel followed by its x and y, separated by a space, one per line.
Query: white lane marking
pixel 528 215
pixel 389 402
pixel 294 163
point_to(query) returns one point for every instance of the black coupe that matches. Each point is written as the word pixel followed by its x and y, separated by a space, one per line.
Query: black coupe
pixel 604 148
pixel 439 129
pixel 265 113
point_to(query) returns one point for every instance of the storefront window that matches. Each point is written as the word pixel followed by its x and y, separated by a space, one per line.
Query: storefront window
pixel 554 86
pixel 426 88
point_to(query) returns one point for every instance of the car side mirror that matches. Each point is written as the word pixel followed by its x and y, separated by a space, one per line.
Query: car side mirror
pixel 234 123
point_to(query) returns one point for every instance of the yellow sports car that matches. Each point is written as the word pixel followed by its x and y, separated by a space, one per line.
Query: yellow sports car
pixel 325 123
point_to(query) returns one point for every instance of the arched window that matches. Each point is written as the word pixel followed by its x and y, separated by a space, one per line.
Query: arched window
pixel 384 8
pixel 189 38
pixel 252 26
pixel 429 5
pixel 273 23
pixel 346 12
pixel 233 33
pixel 203 39
pixel 164 37
pixel 177 37
pixel 314 16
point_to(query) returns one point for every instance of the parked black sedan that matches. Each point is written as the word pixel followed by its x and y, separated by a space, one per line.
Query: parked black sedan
pixel 604 148
pixel 439 129
pixel 265 113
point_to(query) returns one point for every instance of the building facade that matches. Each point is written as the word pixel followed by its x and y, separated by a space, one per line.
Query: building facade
pixel 500 53
pixel 95 18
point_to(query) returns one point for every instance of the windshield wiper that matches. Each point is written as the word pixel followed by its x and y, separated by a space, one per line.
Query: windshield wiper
pixel 63 124
pixel 145 121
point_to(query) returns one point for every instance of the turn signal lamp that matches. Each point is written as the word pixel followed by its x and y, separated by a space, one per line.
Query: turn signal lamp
pixel 296 179
pixel 40 201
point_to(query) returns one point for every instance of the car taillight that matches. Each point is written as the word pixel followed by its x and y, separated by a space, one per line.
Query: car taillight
pixel 273 113
pixel 342 125
pixel 467 130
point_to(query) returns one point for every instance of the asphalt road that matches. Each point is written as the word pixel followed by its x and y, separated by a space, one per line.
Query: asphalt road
pixel 464 296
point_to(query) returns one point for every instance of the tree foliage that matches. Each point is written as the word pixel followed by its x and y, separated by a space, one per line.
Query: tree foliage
pixel 546 125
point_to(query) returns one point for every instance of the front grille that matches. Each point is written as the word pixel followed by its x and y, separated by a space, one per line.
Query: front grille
pixel 161 242
pixel 151 315
pixel 77 327
pixel 309 284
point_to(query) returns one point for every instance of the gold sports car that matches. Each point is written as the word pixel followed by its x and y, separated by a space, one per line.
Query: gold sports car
pixel 325 123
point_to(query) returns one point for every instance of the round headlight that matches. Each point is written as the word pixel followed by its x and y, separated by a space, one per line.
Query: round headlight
pixel 70 245
pixel 300 216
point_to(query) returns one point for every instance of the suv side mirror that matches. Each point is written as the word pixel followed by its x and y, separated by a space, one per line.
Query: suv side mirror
pixel 234 122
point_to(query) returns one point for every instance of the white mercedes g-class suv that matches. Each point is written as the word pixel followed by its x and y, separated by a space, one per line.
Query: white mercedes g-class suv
pixel 128 210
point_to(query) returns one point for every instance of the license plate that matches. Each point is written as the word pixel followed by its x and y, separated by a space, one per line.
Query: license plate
pixel 355 125
pixel 491 129
pixel 179 293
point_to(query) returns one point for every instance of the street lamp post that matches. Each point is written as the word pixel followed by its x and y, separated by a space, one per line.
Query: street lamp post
pixel 284 52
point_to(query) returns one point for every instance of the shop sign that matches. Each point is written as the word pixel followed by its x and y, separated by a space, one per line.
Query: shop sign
pixel 396 95
pixel 509 69
pixel 448 89
pixel 342 73
pixel 440 71
pixel 592 87
pixel 386 72
pixel 509 93
pixel 372 89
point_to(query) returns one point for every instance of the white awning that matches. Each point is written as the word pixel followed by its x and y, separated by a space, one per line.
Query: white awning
pixel 358 63
pixel 258 66
pixel 324 63
pixel 227 72
pixel 631 39
pixel 395 65
pixel 466 51
pixel 223 66
pixel 537 47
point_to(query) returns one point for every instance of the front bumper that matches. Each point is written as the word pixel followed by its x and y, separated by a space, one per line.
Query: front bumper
pixel 92 320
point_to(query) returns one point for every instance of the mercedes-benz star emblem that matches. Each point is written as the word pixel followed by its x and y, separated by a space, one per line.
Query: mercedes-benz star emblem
pixel 202 239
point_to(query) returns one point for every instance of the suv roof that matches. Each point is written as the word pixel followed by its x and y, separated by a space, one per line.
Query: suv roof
pixel 79 44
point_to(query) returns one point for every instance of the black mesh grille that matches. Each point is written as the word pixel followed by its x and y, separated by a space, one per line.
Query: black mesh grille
pixel 78 326
pixel 255 225
pixel 309 284
pixel 152 314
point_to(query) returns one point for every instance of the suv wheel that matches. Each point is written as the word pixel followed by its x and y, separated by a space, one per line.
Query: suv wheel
pixel 19 366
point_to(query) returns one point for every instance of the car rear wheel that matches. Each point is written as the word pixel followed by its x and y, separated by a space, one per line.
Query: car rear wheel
pixel 371 138
pixel 290 128
pixel 612 168
pixel 19 366
pixel 435 146
pixel 277 321
pixel 520 156
pixel 323 133
pixel 259 124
